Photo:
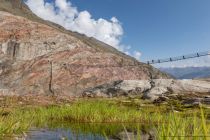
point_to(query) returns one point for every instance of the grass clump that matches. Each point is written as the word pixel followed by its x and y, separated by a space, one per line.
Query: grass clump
pixel 168 124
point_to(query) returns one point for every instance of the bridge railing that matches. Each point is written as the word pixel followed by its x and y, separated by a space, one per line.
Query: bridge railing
pixel 171 59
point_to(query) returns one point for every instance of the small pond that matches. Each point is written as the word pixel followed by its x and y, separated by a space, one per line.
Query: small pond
pixel 61 134
pixel 93 131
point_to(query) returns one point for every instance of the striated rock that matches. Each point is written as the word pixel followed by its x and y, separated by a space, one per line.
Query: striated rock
pixel 38 57
pixel 152 89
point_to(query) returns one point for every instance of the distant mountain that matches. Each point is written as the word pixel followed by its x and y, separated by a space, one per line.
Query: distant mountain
pixel 188 72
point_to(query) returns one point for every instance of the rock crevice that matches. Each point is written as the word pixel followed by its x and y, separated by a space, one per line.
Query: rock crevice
pixel 79 62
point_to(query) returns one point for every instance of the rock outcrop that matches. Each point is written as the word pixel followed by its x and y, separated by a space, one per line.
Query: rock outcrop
pixel 40 57
pixel 152 89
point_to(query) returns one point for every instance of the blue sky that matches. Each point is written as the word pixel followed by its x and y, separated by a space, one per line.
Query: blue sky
pixel 156 28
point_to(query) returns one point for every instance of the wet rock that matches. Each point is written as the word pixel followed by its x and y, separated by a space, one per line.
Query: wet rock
pixel 129 135
pixel 126 136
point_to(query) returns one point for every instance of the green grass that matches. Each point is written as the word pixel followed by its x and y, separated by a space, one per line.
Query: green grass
pixel 168 123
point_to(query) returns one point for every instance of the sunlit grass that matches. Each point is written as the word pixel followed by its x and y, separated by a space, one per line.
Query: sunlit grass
pixel 168 123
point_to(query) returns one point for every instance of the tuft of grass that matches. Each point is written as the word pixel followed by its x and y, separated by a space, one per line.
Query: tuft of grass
pixel 168 124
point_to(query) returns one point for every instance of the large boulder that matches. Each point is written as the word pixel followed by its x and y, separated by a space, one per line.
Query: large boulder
pixel 151 89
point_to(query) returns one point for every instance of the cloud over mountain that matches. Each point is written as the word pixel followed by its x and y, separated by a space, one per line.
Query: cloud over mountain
pixel 65 14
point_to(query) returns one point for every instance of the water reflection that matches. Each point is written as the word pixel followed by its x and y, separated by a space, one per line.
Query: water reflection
pixel 61 134
pixel 93 131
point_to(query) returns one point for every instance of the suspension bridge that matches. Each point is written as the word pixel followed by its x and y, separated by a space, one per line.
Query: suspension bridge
pixel 179 58
pixel 171 59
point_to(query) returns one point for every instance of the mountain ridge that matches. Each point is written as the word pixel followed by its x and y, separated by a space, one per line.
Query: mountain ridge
pixel 19 8
pixel 188 72
pixel 40 57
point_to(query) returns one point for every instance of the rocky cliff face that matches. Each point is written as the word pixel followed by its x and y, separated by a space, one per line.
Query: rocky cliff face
pixel 39 57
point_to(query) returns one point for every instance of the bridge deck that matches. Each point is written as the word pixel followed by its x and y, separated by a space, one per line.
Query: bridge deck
pixel 183 57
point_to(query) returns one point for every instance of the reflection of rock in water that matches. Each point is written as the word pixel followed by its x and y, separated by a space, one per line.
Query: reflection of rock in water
pixel 135 135
pixel 92 132
pixel 60 134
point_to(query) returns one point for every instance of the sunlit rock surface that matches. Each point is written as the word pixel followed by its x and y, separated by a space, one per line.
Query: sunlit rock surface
pixel 152 89
pixel 39 57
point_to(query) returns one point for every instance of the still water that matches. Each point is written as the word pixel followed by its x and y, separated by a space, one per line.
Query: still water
pixel 61 134
pixel 93 131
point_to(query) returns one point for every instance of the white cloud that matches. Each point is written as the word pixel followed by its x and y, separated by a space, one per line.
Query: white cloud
pixel 62 12
pixel 137 55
